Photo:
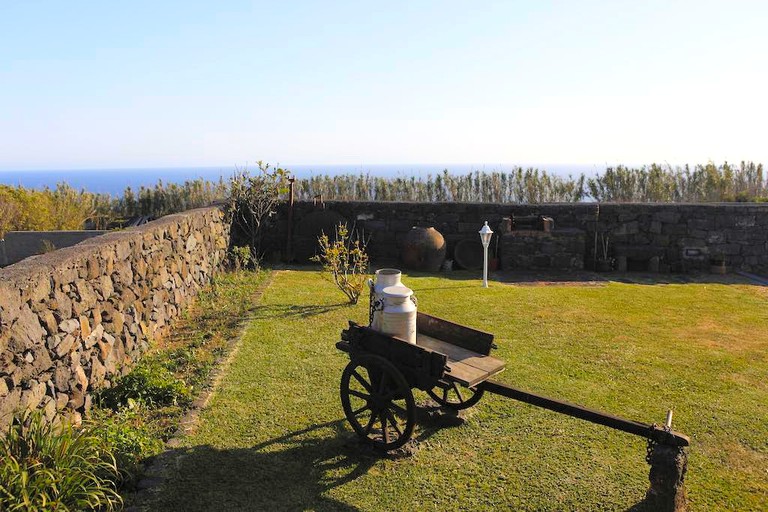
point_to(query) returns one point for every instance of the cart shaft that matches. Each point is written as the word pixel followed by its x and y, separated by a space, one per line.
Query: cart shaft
pixel 656 433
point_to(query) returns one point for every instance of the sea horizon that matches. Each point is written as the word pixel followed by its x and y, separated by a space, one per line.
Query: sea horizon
pixel 115 180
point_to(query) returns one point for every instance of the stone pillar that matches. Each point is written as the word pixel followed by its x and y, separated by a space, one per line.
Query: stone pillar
pixel 666 492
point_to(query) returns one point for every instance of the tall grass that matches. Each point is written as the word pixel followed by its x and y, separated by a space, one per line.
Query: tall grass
pixel 654 183
pixel 665 184
pixel 519 186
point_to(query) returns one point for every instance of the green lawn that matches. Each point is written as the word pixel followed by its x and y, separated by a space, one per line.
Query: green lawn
pixel 274 436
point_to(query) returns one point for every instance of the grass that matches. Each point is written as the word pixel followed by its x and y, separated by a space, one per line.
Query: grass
pixel 144 408
pixel 274 436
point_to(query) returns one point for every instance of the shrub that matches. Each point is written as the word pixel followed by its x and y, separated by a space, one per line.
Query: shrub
pixel 130 437
pixel 241 257
pixel 149 384
pixel 43 468
pixel 252 200
pixel 346 260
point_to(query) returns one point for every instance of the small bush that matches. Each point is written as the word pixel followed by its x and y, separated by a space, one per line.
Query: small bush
pixel 131 438
pixel 346 260
pixel 241 258
pixel 43 468
pixel 149 384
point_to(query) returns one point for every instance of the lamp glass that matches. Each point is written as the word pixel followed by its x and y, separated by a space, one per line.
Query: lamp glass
pixel 485 234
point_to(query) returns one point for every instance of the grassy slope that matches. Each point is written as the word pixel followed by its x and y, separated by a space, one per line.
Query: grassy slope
pixel 274 437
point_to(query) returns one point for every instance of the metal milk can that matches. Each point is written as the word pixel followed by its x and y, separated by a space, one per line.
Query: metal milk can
pixel 399 315
pixel 384 277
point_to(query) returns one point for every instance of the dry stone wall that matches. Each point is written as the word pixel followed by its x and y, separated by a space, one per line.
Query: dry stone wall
pixel 74 319
pixel 683 236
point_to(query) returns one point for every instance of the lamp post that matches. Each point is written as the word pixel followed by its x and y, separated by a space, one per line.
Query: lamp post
pixel 485 237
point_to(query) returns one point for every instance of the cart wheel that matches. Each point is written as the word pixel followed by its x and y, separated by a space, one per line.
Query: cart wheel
pixel 450 395
pixel 378 402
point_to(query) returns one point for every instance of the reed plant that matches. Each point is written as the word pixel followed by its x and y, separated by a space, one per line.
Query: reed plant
pixel 518 186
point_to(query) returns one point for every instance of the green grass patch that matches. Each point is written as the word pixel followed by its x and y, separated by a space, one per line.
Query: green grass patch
pixel 274 436
pixel 143 409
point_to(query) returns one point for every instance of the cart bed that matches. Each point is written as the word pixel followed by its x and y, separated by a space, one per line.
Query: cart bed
pixel 465 366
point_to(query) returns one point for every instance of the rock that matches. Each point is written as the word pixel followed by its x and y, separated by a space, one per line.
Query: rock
pixel 48 405
pixel 26 330
pixel 81 381
pixel 96 313
pixel 69 326
pixel 76 398
pixel 40 288
pixel 61 401
pixel 85 327
pixel 49 322
pixel 31 398
pixel 61 378
pixel 94 337
pixel 107 289
pixel 191 243
pixel 98 371
pixel 65 346
pixel 62 305
pixel 87 297
pixel 93 267
pixel 8 406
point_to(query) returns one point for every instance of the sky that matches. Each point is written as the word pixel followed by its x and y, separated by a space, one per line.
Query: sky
pixel 187 83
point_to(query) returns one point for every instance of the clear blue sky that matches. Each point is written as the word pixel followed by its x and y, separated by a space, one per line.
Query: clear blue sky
pixel 180 83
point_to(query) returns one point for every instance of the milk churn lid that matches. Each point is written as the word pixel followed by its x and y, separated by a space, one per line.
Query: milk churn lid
pixel 398 291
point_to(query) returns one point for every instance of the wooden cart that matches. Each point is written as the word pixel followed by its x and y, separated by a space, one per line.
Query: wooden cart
pixel 452 364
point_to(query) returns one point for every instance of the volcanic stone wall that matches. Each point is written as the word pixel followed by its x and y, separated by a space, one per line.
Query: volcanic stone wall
pixel 683 236
pixel 74 319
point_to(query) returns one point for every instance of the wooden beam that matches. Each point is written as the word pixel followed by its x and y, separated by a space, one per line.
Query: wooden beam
pixel 656 433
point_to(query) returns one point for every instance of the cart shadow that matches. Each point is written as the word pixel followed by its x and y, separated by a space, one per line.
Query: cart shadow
pixel 295 471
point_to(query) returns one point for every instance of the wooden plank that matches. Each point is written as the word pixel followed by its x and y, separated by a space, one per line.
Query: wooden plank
pixel 455 334
pixel 421 366
pixel 455 353
pixel 656 433
pixel 465 374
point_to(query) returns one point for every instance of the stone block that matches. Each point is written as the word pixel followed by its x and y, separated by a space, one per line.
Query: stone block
pixel 26 331
pixel 667 216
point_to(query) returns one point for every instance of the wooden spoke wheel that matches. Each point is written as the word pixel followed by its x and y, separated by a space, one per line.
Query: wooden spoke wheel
pixel 378 402
pixel 451 395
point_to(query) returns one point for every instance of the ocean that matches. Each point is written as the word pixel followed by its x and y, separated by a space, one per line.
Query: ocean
pixel 114 181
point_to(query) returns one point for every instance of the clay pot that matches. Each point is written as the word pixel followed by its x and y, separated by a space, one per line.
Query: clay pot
pixel 423 249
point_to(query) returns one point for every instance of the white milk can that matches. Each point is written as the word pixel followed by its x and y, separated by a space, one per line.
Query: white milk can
pixel 384 277
pixel 399 315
